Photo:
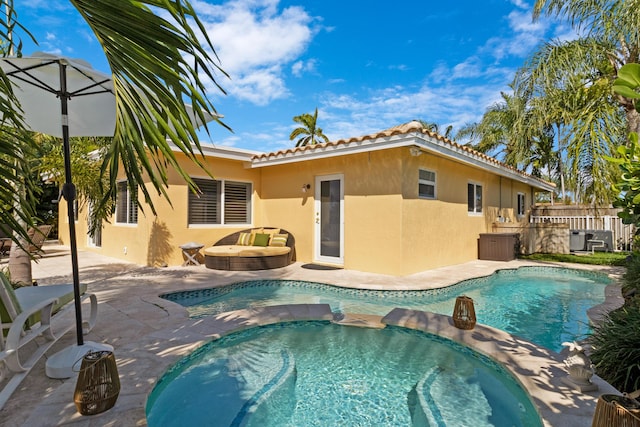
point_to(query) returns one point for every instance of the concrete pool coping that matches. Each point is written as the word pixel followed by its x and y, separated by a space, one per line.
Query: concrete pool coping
pixel 150 334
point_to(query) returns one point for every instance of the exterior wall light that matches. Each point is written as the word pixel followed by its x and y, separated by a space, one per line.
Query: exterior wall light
pixel 415 151
pixel 306 187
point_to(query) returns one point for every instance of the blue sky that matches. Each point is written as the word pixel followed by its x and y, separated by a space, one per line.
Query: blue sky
pixel 366 65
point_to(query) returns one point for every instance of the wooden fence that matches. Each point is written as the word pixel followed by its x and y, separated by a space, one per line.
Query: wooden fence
pixel 622 233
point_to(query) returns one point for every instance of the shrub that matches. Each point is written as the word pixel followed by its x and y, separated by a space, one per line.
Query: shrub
pixel 631 284
pixel 616 348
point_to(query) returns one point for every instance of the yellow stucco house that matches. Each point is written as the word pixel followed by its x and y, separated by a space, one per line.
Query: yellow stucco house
pixel 396 202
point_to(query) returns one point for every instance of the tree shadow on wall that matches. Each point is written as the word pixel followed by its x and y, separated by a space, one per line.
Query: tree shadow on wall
pixel 160 249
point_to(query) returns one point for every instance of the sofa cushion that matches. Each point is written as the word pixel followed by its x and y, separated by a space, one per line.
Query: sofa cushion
pixel 262 239
pixel 271 231
pixel 279 240
pixel 246 251
pixel 226 250
pixel 244 239
pixel 257 251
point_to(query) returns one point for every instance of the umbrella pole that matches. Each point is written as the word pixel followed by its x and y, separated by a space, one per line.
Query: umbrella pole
pixel 61 364
pixel 69 193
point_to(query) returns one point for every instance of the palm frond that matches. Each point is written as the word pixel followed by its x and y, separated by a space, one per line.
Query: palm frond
pixel 156 64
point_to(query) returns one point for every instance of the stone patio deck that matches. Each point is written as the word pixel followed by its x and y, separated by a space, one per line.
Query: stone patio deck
pixel 149 334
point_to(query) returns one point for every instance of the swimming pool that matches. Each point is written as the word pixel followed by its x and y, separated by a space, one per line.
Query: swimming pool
pixel 322 374
pixel 545 305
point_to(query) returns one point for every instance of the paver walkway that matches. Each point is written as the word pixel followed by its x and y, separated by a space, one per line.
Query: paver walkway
pixel 149 334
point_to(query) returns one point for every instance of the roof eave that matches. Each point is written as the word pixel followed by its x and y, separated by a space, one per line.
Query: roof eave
pixel 425 142
pixel 221 151
pixel 459 154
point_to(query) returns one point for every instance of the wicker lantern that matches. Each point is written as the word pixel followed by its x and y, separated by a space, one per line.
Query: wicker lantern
pixel 98 383
pixel 615 411
pixel 464 315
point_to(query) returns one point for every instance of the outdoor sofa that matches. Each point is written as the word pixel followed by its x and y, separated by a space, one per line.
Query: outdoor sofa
pixel 261 248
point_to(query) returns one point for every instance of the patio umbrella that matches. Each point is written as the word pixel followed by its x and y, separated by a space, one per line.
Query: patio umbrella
pixel 44 85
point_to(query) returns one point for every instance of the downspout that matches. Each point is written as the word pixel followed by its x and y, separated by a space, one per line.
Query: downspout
pixel 500 202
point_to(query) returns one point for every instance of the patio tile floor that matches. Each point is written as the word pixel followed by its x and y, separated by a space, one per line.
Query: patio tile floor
pixel 149 333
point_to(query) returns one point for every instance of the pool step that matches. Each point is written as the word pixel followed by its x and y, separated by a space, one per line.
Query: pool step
pixel 360 320
pixel 441 398
pixel 245 385
pixel 275 399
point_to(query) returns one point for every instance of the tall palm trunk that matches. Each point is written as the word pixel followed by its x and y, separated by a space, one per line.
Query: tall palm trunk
pixel 19 259
pixel 20 263
pixel 633 120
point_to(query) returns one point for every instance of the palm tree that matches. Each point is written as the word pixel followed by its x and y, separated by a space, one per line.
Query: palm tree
pixel 153 72
pixel 612 40
pixel 511 130
pixel 434 127
pixel 311 133
pixel 86 159
pixel 572 80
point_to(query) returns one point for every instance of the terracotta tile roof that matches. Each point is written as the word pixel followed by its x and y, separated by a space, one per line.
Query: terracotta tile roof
pixel 403 129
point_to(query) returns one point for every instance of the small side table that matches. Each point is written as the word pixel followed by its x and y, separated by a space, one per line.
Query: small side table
pixel 191 251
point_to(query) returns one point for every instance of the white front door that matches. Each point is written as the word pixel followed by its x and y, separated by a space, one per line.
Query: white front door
pixel 329 219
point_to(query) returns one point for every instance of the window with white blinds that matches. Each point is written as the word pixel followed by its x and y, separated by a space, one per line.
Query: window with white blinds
pixel 220 202
pixel 126 204
pixel 237 202
pixel 426 184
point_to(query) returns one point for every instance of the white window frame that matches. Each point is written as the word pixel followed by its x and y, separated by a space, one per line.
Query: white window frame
pixel 475 211
pixel 521 200
pixel 429 183
pixel 223 205
pixel 132 203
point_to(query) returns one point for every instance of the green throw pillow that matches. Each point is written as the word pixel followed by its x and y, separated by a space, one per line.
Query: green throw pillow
pixel 261 239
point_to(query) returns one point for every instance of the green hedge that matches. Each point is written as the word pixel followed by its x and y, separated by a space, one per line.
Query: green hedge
pixel 616 341
pixel 616 348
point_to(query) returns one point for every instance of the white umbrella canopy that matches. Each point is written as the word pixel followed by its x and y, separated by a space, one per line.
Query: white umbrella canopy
pixel 37 85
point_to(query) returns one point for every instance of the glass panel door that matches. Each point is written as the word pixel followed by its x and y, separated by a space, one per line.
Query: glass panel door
pixel 329 219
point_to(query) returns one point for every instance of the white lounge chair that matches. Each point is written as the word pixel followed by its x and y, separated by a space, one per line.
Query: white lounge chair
pixel 26 314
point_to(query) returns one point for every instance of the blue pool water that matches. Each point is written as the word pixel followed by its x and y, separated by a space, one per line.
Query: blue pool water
pixel 322 374
pixel 545 305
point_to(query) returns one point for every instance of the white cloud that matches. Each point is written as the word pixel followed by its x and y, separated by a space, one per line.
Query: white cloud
pixel 260 86
pixel 470 68
pixel 345 116
pixel 521 4
pixel 522 22
pixel 300 67
pixel 256 40
pixel 525 35
pixel 47 6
